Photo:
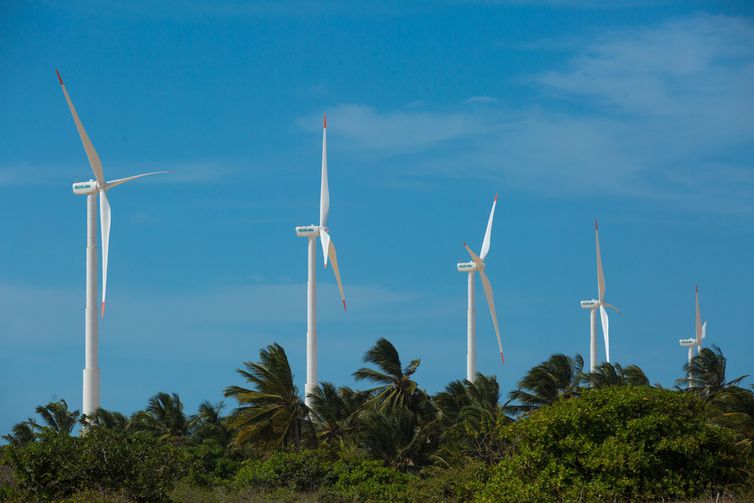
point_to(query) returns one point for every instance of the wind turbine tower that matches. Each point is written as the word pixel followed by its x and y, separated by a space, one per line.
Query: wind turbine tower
pixel 593 305
pixel 91 189
pixel 311 232
pixel 477 265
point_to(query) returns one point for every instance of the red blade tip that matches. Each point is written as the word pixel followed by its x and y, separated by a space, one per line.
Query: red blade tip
pixel 697 288
pixel 496 197
pixel 59 77
pixel 324 121
pixel 502 358
pixel 596 225
pixel 103 309
pixel 344 305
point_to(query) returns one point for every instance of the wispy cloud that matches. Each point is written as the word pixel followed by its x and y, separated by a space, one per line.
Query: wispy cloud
pixel 662 113
pixel 52 174
pixel 402 130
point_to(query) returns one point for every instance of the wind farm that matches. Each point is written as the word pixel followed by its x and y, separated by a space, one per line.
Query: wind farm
pixel 554 152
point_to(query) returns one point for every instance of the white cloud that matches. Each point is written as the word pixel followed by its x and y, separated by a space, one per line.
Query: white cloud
pixel 662 113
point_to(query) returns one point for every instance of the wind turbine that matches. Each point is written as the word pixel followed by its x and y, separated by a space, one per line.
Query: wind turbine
pixel 701 333
pixel 91 189
pixel 600 304
pixel 310 232
pixel 477 264
pixel 701 328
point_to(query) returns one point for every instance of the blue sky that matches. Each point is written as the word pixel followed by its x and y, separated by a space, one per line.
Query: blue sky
pixel 640 114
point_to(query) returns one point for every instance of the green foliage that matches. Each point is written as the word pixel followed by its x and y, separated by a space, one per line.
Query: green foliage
pixel 302 471
pixel 273 412
pixel 368 481
pixel 609 374
pixel 705 375
pixel 459 483
pixel 209 463
pixel 623 443
pixel 163 417
pixel 555 378
pixel 59 465
pixel 395 388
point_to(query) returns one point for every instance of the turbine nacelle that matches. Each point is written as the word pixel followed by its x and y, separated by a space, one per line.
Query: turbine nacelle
pixel 590 304
pixel 85 188
pixel 307 231
pixel 687 342
pixel 466 267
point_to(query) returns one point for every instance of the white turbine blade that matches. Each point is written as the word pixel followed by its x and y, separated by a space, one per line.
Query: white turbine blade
pixel 605 331
pixel 600 274
pixel 491 303
pixel 336 270
pixel 104 216
pixel 698 320
pixel 324 239
pixel 324 194
pixel 704 330
pixel 478 261
pixel 119 181
pixel 488 233
pixel 91 154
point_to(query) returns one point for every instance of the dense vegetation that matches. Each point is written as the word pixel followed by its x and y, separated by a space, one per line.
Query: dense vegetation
pixel 564 435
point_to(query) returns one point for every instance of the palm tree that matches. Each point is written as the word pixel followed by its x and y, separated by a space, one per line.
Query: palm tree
pixel 22 433
pixel 736 406
pixel 609 374
pixel 557 377
pixel 334 411
pixel 104 418
pixel 470 414
pixel 208 423
pixel 706 373
pixel 397 438
pixel 57 417
pixel 272 412
pixel 164 417
pixel 395 388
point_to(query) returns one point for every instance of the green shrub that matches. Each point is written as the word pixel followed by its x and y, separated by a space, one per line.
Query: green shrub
pixel 460 483
pixel 618 443
pixel 210 464
pixel 58 466
pixel 301 471
pixel 368 481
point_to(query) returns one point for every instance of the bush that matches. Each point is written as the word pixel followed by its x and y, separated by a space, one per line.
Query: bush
pixel 102 460
pixel 301 471
pixel 450 484
pixel 617 443
pixel 210 464
pixel 368 481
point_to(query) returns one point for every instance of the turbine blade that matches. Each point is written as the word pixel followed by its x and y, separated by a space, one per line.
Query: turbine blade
pixel 704 330
pixel 600 273
pixel 491 303
pixel 119 181
pixel 324 194
pixel 324 239
pixel 478 261
pixel 605 331
pixel 336 270
pixel 613 308
pixel 488 233
pixel 91 154
pixel 698 320
pixel 104 216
